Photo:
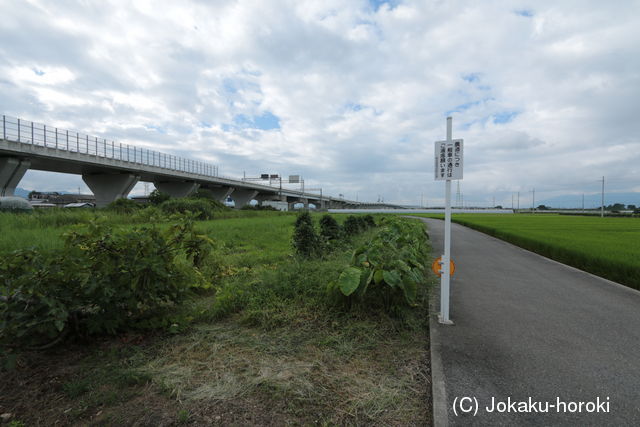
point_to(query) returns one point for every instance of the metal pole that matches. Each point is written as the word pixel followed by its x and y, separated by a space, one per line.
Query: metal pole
pixel 446 258
pixel 19 130
pixel 533 201
pixel 602 206
pixel 67 132
pixel 31 132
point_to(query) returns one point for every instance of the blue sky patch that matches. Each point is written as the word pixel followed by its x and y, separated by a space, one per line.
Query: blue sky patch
pixel 471 77
pixel 354 107
pixel 527 13
pixel 504 117
pixel 158 129
pixel 38 72
pixel 377 4
pixel 267 121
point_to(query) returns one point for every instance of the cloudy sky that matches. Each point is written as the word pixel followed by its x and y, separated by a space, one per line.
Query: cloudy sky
pixel 349 94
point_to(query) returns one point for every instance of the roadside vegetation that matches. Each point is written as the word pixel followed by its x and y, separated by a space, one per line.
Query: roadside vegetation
pixel 165 316
pixel 607 247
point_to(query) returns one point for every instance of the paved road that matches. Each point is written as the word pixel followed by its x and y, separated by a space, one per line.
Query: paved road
pixel 528 327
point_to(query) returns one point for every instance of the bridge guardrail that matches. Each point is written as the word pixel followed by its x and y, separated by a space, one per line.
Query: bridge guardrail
pixel 26 132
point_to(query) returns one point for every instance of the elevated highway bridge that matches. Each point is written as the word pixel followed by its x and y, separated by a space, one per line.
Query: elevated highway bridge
pixel 111 169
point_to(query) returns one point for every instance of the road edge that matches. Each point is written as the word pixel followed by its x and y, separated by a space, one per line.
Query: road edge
pixel 438 386
pixel 439 414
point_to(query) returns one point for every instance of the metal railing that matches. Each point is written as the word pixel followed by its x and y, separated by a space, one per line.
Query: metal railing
pixel 26 132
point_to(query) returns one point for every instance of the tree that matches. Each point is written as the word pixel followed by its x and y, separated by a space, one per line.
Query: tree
pixel 157 197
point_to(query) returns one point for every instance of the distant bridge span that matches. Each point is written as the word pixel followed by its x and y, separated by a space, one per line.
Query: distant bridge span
pixel 111 169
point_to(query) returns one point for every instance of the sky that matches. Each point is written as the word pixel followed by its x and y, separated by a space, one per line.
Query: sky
pixel 351 95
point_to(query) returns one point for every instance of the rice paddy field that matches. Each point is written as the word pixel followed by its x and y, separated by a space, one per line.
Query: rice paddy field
pixel 608 247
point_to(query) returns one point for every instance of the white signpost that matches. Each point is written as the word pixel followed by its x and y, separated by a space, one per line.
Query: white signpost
pixel 448 166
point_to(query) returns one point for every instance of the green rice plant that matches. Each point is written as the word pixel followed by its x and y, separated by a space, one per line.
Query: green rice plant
pixel 607 247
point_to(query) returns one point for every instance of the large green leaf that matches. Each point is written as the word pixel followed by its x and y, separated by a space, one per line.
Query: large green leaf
pixel 410 290
pixel 392 278
pixel 377 277
pixel 349 280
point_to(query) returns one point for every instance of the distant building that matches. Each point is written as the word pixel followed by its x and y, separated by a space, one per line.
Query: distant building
pixel 59 199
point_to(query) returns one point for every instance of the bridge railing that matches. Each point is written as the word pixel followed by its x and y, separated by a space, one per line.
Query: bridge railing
pixel 26 132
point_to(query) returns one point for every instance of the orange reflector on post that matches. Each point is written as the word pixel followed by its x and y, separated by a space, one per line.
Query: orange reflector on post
pixel 437 266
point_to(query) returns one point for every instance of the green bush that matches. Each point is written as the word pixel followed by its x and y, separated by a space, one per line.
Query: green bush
pixel 305 239
pixel 387 271
pixel 329 228
pixel 201 208
pixel 103 281
pixel 205 194
pixel 124 206
pixel 369 221
pixel 351 226
pixel 249 207
pixel 157 197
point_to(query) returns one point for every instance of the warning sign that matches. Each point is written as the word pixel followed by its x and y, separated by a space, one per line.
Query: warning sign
pixel 448 159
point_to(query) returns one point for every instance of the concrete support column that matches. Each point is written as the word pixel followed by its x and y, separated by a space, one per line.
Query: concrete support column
pixel 109 187
pixel 292 206
pixel 11 172
pixel 221 193
pixel 241 197
pixel 177 189
pixel 305 202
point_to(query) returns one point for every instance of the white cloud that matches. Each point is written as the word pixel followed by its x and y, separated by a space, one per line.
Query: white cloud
pixel 544 93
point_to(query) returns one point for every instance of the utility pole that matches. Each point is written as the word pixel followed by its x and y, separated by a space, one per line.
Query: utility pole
pixel 602 206
pixel 533 201
pixel 518 200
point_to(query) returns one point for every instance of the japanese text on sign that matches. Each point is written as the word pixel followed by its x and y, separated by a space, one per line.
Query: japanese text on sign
pixel 448 159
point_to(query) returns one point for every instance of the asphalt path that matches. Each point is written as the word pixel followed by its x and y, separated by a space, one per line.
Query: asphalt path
pixel 532 330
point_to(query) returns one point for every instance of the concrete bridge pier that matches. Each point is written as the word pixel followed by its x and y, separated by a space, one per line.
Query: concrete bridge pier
pixel 242 196
pixel 221 193
pixel 11 172
pixel 109 187
pixel 177 189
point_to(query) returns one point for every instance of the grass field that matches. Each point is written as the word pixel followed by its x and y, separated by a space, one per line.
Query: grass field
pixel 277 355
pixel 607 247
